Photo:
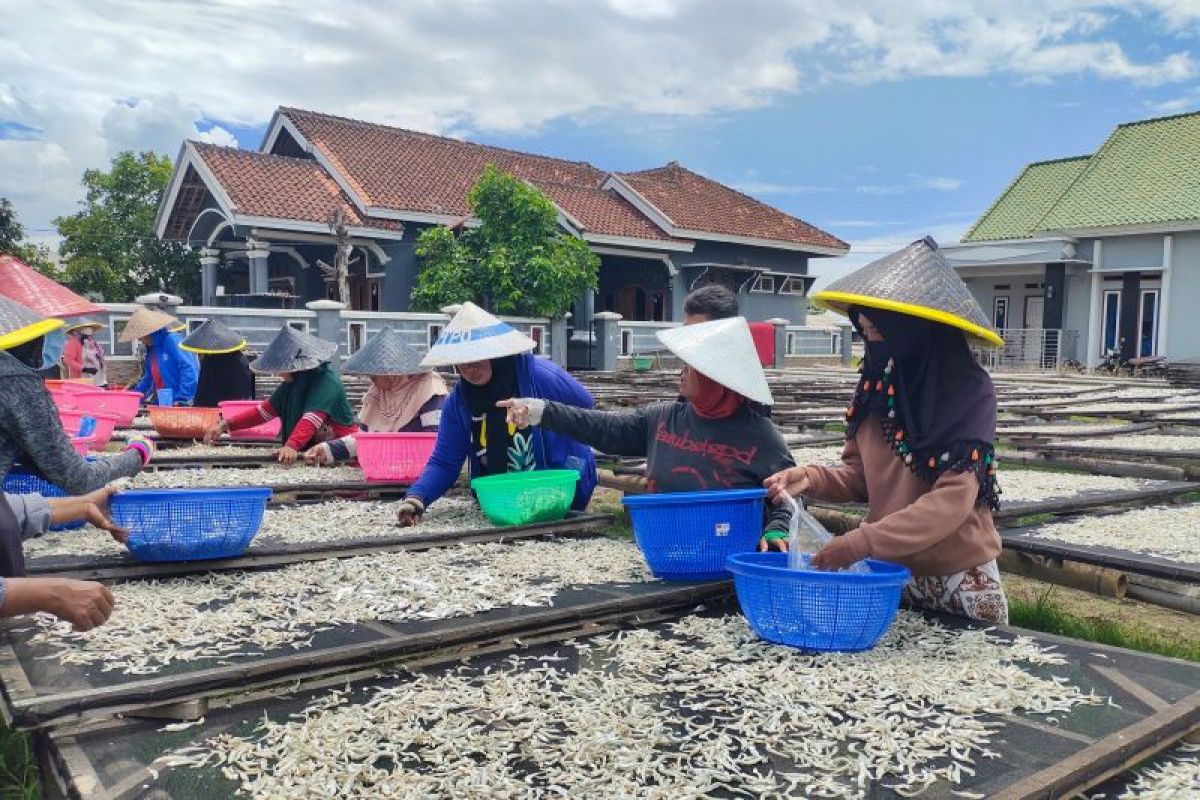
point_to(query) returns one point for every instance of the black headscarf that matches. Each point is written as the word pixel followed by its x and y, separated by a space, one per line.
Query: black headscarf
pixel 223 376
pixel 489 425
pixel 937 405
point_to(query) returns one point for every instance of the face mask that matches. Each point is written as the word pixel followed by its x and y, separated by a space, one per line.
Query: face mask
pixel 52 348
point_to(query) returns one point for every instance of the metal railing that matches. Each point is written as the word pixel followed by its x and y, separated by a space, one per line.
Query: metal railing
pixel 1031 349
pixel 805 341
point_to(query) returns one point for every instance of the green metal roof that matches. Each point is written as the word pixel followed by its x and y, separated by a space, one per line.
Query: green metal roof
pixel 1016 213
pixel 1147 172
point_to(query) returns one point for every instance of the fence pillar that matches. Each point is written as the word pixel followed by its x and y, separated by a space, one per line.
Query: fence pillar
pixel 558 340
pixel 209 259
pixel 780 341
pixel 608 340
pixel 586 308
pixel 260 275
pixel 329 326
pixel 847 331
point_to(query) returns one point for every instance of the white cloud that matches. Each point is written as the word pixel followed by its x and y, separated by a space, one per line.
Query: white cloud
pixel 96 76
pixel 914 183
pixel 768 188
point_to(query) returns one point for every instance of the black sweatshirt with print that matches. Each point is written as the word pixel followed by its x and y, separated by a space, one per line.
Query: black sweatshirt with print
pixel 684 452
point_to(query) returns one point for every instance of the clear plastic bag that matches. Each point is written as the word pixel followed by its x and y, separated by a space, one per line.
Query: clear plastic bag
pixel 806 536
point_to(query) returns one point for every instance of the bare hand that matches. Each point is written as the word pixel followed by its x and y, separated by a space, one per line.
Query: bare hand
pixel 84 604
pixel 287 455
pixel 836 555
pixel 317 455
pixel 793 482
pixel 409 511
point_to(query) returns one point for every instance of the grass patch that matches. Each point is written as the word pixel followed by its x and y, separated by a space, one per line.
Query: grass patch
pixel 1044 614
pixel 18 767
pixel 834 427
pixel 1034 519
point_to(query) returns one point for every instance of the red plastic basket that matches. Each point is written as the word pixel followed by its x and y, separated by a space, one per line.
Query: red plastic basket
pixel 71 420
pixel 394 457
pixel 268 430
pixel 182 422
pixel 124 404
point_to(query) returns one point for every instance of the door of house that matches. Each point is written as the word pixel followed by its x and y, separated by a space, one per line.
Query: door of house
pixel 631 303
pixel 1035 309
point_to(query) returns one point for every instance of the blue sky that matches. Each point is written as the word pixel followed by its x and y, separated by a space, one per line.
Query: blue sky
pixel 878 121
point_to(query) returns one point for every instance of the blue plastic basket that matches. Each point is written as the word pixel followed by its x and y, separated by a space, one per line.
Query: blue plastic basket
pixel 816 610
pixel 22 481
pixel 686 536
pixel 190 524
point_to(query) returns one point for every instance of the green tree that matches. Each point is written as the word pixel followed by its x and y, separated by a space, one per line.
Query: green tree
pixel 517 261
pixel 12 242
pixel 109 247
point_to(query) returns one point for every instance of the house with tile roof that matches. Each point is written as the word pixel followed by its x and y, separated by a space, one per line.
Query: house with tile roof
pixel 259 219
pixel 1090 253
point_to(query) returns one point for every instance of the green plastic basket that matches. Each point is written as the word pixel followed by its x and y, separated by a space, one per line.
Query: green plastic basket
pixel 643 363
pixel 522 498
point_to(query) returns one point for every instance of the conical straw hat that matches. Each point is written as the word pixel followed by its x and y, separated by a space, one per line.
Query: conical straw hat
pixel 19 324
pixel 476 335
pixel 213 338
pixel 80 324
pixel 917 280
pixel 385 353
pixel 144 322
pixel 293 351
pixel 722 350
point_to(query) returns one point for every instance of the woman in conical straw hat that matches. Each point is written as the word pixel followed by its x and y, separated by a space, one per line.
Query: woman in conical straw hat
pixel 715 437
pixel 83 356
pixel 311 401
pixel 495 362
pixel 167 370
pixel 224 371
pixel 919 435
pixel 404 396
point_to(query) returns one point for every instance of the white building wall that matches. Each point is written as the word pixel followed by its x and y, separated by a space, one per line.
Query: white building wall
pixel 1183 335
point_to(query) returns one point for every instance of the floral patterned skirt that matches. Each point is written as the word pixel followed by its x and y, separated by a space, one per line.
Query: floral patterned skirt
pixel 974 593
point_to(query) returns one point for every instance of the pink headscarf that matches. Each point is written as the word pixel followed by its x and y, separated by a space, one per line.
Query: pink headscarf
pixel 388 412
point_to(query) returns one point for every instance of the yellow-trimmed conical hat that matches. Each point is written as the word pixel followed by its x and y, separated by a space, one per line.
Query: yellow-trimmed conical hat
pixel 918 281
pixel 20 324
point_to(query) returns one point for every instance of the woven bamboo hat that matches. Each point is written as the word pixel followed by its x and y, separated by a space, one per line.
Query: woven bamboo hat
pixel 214 338
pixel 19 324
pixel 293 351
pixel 722 350
pixel 918 281
pixel 476 335
pixel 385 353
pixel 144 322
pixel 80 324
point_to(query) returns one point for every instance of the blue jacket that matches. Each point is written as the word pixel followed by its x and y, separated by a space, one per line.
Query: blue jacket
pixel 179 368
pixel 535 378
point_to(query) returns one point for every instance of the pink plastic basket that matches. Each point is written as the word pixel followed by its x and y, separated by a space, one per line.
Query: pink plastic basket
pixel 268 430
pixel 71 419
pixel 73 387
pixel 394 457
pixel 122 403
pixel 82 444
pixel 63 400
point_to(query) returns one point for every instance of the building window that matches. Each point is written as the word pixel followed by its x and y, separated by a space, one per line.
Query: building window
pixel 1000 313
pixel 657 307
pixel 764 284
pixel 1112 321
pixel 792 286
pixel 115 346
pixel 373 289
pixel 434 332
pixel 299 324
pixel 356 332
pixel 626 342
pixel 1148 324
pixel 538 334
pixel 195 322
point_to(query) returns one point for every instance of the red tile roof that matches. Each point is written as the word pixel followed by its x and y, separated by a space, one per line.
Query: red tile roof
pixel 694 202
pixel 410 171
pixel 263 185
pixel 32 289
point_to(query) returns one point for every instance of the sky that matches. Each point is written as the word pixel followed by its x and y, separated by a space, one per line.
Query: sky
pixel 880 121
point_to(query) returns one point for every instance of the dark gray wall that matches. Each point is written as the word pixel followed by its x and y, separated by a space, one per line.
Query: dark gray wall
pixel 401 271
pixel 755 306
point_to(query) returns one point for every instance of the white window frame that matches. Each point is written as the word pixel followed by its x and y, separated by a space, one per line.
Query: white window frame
pixel 113 334
pixel 761 283
pixel 790 284
pixel 1141 314
pixel 540 338
pixel 997 302
pixel 789 347
pixel 362 337
pixel 194 322
pixel 296 323
pixel 1104 320
pixel 626 342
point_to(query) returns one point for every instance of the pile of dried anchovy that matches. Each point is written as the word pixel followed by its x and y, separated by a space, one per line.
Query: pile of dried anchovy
pixel 702 708
pixel 1164 531
pixel 217 615
pixel 1143 441
pixel 1177 778
pixel 235 476
pixel 1024 485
